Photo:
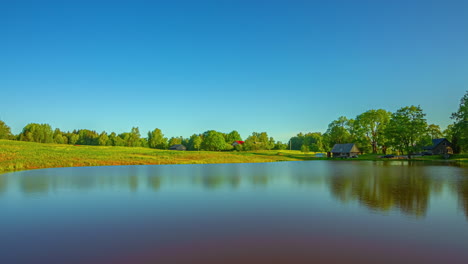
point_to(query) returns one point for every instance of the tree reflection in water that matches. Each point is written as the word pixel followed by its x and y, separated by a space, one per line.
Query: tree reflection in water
pixel 407 187
pixel 381 186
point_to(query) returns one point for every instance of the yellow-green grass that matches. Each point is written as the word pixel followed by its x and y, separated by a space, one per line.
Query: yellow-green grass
pixel 18 155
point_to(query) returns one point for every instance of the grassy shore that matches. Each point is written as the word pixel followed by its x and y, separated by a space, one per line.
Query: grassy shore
pixel 18 155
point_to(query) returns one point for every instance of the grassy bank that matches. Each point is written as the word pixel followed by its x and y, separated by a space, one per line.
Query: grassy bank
pixel 18 155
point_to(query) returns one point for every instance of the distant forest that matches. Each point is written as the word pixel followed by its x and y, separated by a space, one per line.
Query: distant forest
pixel 374 131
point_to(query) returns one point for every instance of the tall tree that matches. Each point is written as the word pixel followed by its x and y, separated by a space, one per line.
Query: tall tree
pixel 156 139
pixel 370 127
pixel 103 139
pixel 5 132
pixel 132 139
pixel 460 126
pixel 338 132
pixel 407 130
pixel 434 131
pixel 195 142
pixel 233 136
pixel 175 141
pixel 213 140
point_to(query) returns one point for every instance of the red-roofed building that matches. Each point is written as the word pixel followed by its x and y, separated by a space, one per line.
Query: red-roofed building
pixel 239 142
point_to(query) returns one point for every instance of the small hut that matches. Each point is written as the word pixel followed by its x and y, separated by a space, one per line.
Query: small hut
pixel 349 150
pixel 177 147
pixel 440 146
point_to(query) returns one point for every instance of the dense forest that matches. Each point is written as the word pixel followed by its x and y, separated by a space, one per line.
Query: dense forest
pixel 374 131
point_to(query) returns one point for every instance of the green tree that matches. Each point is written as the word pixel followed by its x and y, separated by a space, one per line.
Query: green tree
pixel 338 132
pixel 233 136
pixel 156 139
pixel 60 137
pixel 434 131
pixel 460 126
pixel 5 132
pixel 87 137
pixel 259 141
pixel 195 142
pixel 370 126
pixel 305 148
pixel 175 141
pixel 407 130
pixel 132 139
pixel 103 139
pixel 116 140
pixel 73 138
pixel 41 133
pixel 280 145
pixel 213 140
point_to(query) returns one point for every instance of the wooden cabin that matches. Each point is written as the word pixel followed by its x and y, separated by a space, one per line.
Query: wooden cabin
pixel 177 147
pixel 440 146
pixel 348 150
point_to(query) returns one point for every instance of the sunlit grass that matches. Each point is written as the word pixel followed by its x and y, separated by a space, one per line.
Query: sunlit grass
pixel 18 155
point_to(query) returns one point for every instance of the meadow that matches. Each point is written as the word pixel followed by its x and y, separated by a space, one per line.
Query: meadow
pixel 19 155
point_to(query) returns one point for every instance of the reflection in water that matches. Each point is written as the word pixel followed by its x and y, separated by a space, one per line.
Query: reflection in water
pixel 380 186
pixel 288 212
pixel 462 189
pixel 385 186
pixel 385 191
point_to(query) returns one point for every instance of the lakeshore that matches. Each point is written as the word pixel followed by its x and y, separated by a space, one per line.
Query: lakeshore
pixel 18 155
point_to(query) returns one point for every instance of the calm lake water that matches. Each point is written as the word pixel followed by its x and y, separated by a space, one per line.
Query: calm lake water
pixel 287 212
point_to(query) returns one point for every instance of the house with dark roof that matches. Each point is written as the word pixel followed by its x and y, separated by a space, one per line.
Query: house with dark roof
pixel 345 150
pixel 177 147
pixel 440 146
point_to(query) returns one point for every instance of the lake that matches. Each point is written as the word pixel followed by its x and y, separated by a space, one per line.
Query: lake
pixel 285 212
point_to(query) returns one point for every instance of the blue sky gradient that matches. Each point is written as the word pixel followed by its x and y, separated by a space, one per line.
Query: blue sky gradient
pixel 189 66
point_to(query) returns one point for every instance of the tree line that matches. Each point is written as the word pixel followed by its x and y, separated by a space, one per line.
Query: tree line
pixel 374 131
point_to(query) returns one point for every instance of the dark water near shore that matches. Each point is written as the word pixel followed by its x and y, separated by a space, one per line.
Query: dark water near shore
pixel 288 212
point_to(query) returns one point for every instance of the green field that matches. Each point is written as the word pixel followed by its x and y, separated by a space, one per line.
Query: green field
pixel 18 155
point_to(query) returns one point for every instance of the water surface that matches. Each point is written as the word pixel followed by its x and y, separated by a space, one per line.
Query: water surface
pixel 288 212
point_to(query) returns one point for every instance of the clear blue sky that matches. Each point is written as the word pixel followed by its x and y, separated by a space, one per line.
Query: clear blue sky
pixel 189 66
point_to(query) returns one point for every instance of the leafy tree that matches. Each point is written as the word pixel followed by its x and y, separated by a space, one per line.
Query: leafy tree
pixel 259 141
pixel 370 126
pixel 41 133
pixel 460 126
pixel 305 148
pixel 132 139
pixel 5 132
pixel 280 146
pixel 144 143
pixel 338 132
pixel 116 140
pixel 156 139
pixel 195 142
pixel 434 131
pixel 103 139
pixel 407 130
pixel 233 136
pixel 87 137
pixel 73 138
pixel 175 141
pixel 213 140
